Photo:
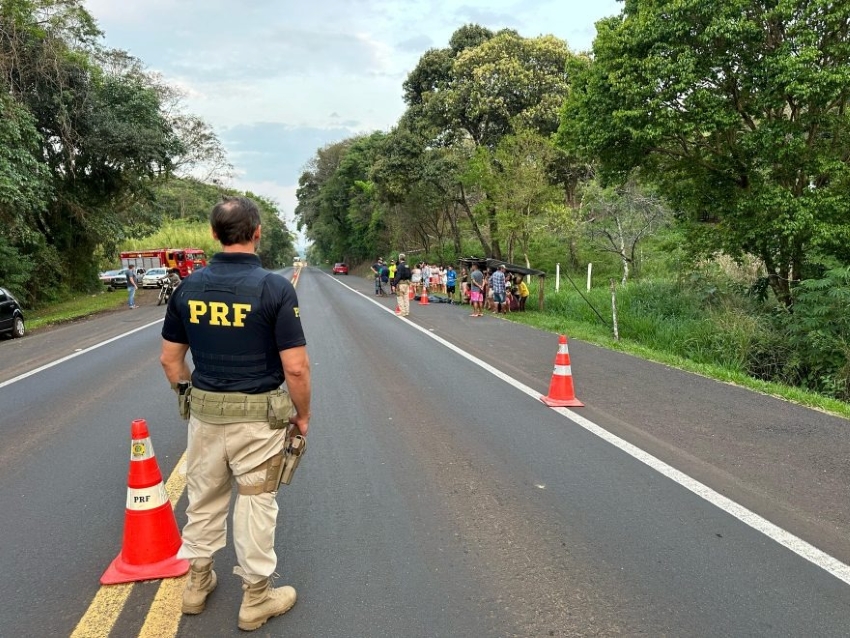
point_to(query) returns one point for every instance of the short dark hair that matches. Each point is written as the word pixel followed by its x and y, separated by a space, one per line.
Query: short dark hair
pixel 234 220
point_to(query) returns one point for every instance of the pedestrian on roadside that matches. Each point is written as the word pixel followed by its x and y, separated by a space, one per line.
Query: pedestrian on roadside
pixel 132 285
pixel 376 268
pixel 392 275
pixel 498 282
pixel 523 292
pixel 243 327
pixel 487 302
pixel 415 277
pixel 385 277
pixel 173 277
pixel 476 290
pixel 451 281
pixel 426 276
pixel 464 286
pixel 401 283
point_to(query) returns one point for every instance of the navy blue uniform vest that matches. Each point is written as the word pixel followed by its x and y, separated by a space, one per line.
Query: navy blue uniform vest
pixel 230 334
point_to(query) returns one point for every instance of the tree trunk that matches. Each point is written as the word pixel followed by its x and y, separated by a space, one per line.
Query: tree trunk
pixel 623 256
pixel 778 278
pixel 475 228
pixel 455 230
pixel 493 224
pixel 573 252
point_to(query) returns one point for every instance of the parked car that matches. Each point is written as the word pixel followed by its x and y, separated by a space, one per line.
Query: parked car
pixel 154 278
pixel 11 315
pixel 113 279
pixel 340 268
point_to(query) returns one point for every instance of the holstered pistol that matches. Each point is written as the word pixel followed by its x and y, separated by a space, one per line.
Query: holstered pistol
pixel 295 447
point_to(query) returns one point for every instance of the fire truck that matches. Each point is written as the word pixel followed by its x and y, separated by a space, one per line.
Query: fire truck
pixel 185 260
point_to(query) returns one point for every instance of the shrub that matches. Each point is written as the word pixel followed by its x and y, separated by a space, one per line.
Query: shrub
pixel 818 329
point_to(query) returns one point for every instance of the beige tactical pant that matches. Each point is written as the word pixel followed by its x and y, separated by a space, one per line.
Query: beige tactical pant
pixel 215 454
pixel 402 291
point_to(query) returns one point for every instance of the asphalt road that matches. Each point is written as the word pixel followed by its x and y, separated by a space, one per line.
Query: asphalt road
pixel 438 498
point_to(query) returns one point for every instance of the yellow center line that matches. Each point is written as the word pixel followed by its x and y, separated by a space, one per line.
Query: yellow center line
pixel 101 616
pixel 163 618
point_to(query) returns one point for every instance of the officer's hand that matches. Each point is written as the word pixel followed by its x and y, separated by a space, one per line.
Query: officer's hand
pixel 302 423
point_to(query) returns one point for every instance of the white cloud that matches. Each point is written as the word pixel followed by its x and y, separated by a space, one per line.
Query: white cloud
pixel 278 79
pixel 283 196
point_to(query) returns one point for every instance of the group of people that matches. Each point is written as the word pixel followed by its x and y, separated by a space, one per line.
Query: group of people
pixel 424 277
pixel 432 278
pixel 496 290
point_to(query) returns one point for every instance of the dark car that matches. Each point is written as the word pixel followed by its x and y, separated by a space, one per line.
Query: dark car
pixel 11 315
pixel 340 268
pixel 113 279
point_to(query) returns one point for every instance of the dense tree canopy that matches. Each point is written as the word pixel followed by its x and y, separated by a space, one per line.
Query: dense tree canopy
pixel 435 180
pixel 88 140
pixel 738 110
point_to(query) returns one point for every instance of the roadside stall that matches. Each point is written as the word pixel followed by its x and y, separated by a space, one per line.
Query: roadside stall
pixel 485 263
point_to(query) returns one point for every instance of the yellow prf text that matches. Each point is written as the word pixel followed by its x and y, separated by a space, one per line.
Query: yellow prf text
pixel 217 313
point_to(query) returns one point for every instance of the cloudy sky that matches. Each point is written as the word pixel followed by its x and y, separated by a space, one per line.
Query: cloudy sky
pixel 278 79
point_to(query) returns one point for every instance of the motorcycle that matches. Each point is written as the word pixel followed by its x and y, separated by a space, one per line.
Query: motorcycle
pixel 165 293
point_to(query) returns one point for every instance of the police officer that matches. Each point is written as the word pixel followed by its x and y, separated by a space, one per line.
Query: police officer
pixel 401 283
pixel 242 324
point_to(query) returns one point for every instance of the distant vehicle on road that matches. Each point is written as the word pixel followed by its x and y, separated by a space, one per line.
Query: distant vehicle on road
pixel 11 315
pixel 154 278
pixel 340 268
pixel 113 279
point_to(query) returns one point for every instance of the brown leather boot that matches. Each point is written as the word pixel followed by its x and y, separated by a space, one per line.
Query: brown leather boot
pixel 261 601
pixel 199 585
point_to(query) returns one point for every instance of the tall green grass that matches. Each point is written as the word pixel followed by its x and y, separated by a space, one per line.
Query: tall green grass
pixel 177 234
pixel 713 330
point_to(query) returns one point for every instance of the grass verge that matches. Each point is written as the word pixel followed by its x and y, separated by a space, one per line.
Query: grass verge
pixel 599 335
pixel 78 307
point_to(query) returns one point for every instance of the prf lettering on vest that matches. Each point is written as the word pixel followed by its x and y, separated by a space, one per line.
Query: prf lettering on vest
pixel 218 313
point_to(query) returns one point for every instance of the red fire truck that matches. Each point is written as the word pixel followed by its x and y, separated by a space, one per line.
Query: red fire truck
pixel 185 260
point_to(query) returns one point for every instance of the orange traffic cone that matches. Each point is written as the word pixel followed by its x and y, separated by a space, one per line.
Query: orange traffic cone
pixel 397 309
pixel 423 299
pixel 151 539
pixel 561 392
pixel 411 294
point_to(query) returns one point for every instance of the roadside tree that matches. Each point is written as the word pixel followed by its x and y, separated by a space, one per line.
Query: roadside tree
pixel 738 111
pixel 618 219
pixel 486 86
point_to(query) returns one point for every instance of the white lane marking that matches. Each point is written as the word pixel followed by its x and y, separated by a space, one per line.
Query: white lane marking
pixel 797 545
pixel 76 354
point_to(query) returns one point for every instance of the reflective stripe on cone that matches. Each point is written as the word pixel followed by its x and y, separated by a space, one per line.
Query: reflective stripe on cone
pixel 561 391
pixel 151 538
